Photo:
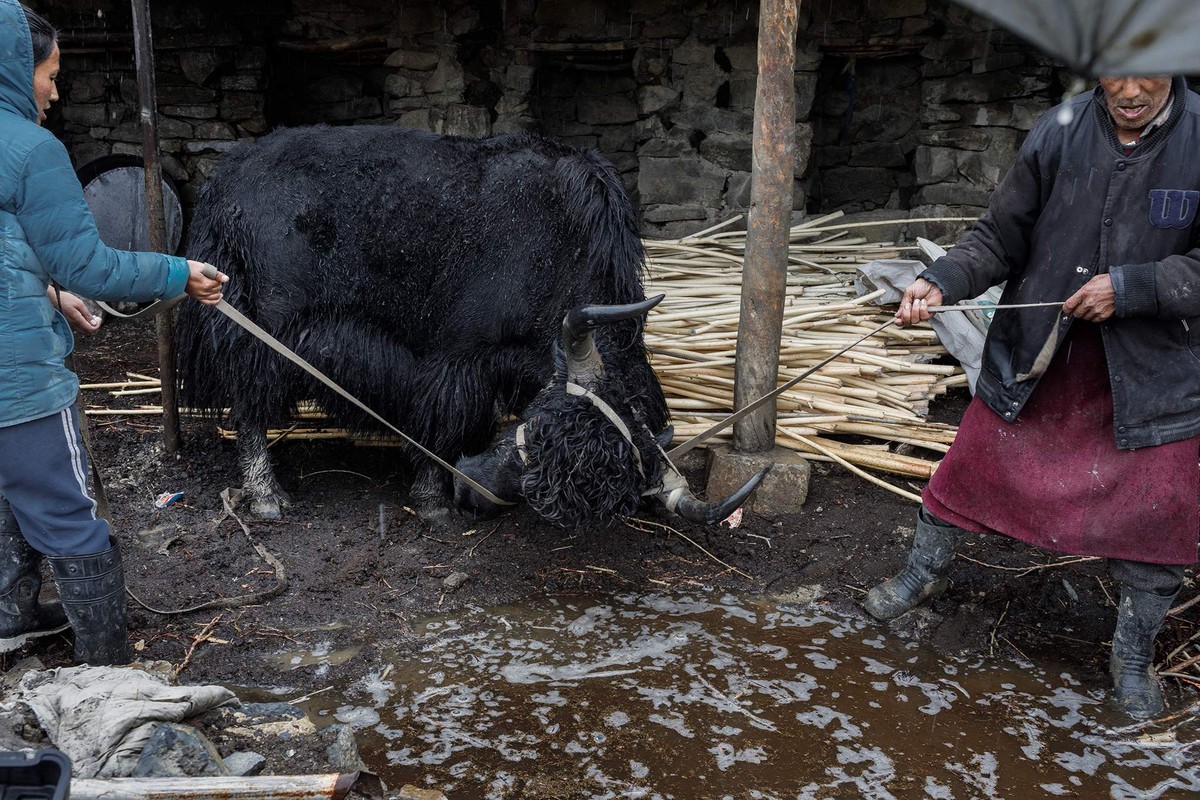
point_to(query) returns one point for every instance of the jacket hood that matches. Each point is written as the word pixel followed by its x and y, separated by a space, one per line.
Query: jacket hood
pixel 16 62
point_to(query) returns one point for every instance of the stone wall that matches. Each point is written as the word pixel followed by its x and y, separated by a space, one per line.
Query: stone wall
pixel 923 108
pixel 900 103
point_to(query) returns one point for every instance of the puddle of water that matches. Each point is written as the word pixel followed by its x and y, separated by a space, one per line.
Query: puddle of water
pixel 323 655
pixel 650 696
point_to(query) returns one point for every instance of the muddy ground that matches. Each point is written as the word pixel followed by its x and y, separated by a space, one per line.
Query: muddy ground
pixel 343 565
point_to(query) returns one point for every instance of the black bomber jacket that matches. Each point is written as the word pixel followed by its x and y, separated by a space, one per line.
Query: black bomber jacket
pixel 1073 206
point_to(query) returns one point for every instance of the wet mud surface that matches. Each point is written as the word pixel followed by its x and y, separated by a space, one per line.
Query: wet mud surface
pixel 361 570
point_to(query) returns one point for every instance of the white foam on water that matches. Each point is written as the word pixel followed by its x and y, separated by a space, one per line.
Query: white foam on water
pixel 694 695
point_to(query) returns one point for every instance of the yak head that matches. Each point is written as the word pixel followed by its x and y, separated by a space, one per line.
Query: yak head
pixel 583 452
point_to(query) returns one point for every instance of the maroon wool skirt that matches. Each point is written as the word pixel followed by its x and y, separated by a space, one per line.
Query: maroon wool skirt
pixel 1055 479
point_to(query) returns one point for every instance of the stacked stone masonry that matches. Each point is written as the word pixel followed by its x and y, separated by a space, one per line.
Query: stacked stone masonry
pixel 905 105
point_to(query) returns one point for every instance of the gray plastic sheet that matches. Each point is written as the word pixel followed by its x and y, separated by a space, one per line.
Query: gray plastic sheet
pixel 962 333
pixel 1106 37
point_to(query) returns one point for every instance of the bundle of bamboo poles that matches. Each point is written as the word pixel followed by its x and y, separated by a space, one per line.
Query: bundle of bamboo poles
pixel 878 393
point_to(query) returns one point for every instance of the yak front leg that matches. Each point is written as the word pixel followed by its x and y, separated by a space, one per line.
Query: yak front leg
pixel 267 498
pixel 430 493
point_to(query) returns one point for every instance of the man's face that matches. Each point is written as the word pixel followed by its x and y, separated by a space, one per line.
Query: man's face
pixel 1134 102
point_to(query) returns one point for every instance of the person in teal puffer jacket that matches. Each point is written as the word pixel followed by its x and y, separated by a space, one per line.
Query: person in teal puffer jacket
pixel 48 240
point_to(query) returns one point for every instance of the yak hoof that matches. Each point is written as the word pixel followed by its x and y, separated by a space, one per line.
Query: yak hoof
pixel 266 508
pixel 436 517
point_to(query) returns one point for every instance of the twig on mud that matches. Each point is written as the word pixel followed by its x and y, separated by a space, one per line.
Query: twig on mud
pixel 996 627
pixel 281 580
pixel 1043 632
pixel 1184 664
pixel 1181 647
pixel 764 538
pixel 1188 679
pixel 275 632
pixel 399 593
pixel 379 610
pixel 630 521
pixel 471 551
pixel 1137 726
pixel 855 588
pixel 308 696
pixel 1182 607
pixel 1008 642
pixel 204 636
pixel 1023 571
pixel 1104 589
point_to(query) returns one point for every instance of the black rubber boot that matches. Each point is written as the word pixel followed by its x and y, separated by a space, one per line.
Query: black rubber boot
pixel 22 617
pixel 924 576
pixel 92 589
pixel 1140 615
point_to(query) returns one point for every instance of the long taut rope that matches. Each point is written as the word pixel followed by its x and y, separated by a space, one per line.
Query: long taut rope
pixel 735 416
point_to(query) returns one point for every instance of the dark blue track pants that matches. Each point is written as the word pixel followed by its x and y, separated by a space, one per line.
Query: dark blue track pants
pixel 44 477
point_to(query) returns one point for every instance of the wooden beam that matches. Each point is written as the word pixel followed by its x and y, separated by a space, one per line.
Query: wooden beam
pixel 143 47
pixel 764 278
pixel 261 787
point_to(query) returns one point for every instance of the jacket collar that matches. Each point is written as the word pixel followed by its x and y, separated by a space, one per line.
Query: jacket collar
pixel 16 62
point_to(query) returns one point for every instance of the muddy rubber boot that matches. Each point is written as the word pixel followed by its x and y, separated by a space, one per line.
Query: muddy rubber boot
pixel 92 589
pixel 22 617
pixel 924 576
pixel 1135 684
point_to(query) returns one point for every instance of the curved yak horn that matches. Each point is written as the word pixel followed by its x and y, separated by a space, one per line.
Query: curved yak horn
pixel 584 365
pixel 693 510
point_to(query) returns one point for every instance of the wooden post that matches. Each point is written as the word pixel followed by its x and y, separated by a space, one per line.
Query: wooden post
pixel 764 277
pixel 143 48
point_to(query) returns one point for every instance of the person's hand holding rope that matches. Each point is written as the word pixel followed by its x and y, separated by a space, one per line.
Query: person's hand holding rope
pixel 1095 302
pixel 914 306
pixel 204 282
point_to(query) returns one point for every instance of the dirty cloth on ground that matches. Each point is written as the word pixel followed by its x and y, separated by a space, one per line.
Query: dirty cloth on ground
pixel 1054 478
pixel 101 717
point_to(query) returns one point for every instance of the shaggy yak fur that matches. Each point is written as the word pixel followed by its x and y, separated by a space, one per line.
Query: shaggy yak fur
pixel 429 276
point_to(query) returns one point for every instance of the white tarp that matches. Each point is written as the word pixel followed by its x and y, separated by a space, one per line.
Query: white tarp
pixel 1098 38
pixel 962 333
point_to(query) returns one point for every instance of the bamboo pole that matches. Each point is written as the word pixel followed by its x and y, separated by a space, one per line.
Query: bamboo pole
pixel 262 787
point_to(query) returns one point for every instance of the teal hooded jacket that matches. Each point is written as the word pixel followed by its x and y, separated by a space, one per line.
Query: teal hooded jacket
pixel 47 234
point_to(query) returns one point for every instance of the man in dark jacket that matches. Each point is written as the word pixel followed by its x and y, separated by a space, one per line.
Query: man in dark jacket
pixel 1102 458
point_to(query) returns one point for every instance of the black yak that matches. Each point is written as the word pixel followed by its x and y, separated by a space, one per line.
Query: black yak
pixel 433 277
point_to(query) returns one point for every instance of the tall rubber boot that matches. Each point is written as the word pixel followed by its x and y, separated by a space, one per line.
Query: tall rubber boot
pixel 22 617
pixel 924 576
pixel 1140 615
pixel 92 589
